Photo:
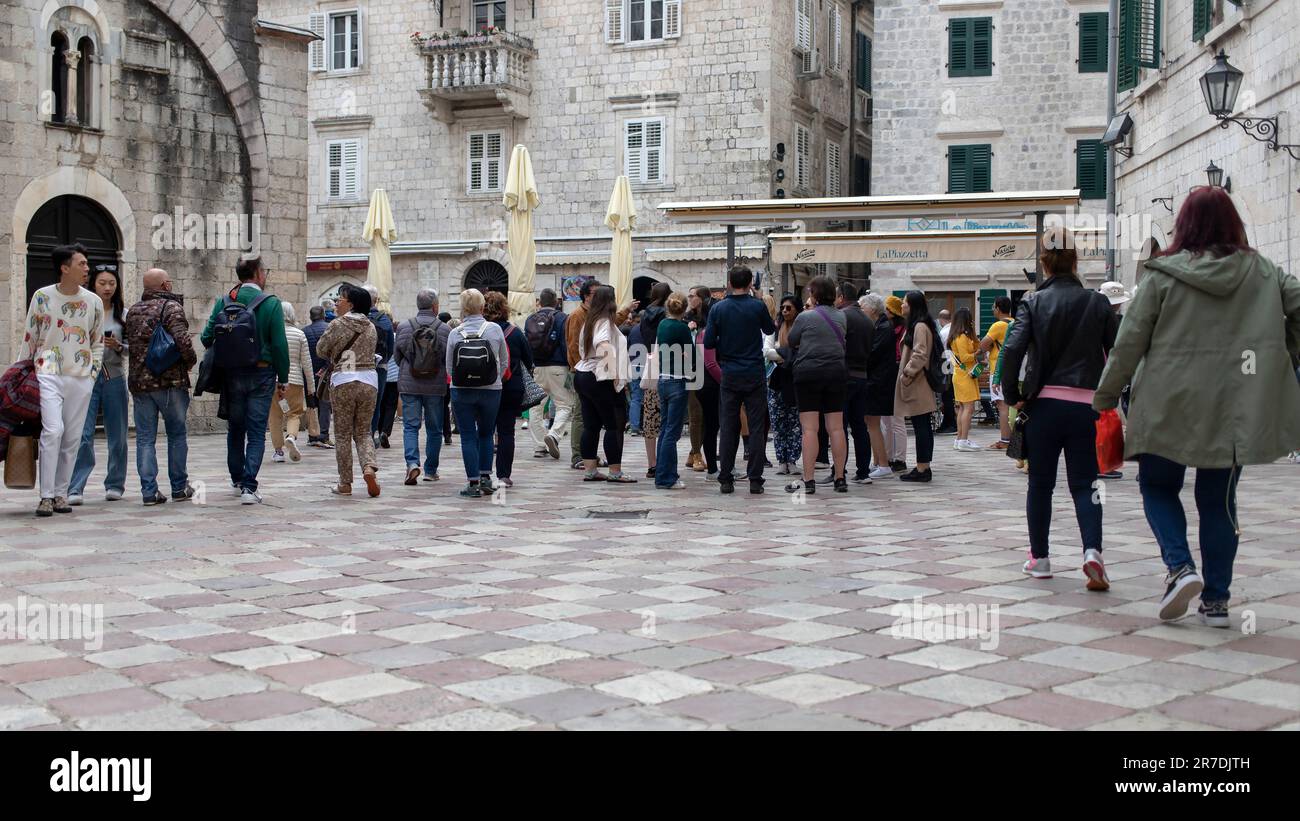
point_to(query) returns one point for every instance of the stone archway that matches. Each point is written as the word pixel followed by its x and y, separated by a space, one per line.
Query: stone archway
pixel 65 220
pixel 76 181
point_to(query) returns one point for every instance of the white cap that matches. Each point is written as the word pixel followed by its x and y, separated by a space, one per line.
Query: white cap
pixel 1115 292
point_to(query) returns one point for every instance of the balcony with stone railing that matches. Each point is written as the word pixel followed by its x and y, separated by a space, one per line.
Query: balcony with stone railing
pixel 476 75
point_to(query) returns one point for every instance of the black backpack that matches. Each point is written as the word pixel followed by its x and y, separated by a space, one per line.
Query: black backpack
pixel 234 333
pixel 426 358
pixel 539 331
pixel 473 362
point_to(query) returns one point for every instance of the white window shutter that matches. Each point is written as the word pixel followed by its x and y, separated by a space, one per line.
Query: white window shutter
pixel 654 151
pixel 803 30
pixel 334 170
pixel 672 19
pixel 832 169
pixel 495 159
pixel 634 150
pixel 837 37
pixel 351 187
pixel 614 21
pixel 474 176
pixel 803 156
pixel 316 49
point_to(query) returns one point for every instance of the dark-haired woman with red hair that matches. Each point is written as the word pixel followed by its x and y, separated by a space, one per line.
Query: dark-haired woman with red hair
pixel 1215 328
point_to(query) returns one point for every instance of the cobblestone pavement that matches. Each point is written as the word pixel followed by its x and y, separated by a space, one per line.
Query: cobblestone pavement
pixel 422 610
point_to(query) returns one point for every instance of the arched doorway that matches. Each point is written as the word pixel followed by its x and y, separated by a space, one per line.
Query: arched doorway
pixel 488 275
pixel 61 221
pixel 641 288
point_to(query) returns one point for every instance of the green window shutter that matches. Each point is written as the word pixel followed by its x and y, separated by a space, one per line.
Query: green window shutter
pixel 959 48
pixel 1149 25
pixel 1090 169
pixel 1092 42
pixel 987 296
pixel 958 169
pixel 981 168
pixel 1128 30
pixel 1202 18
pixel 981 50
pixel 863 67
pixel 867 73
pixel 901 293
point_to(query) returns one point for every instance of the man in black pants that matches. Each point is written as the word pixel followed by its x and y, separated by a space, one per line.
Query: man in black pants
pixel 735 331
pixel 857 347
pixel 949 425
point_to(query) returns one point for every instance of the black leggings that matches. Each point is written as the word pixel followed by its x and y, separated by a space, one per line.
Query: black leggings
pixel 507 415
pixel 602 407
pixel 924 437
pixel 709 394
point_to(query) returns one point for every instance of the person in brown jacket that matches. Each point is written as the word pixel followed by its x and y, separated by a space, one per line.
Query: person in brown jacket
pixel 572 331
pixel 913 396
pixel 166 393
pixel 349 342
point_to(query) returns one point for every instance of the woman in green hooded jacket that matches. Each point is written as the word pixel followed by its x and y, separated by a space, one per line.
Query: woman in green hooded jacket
pixel 1208 344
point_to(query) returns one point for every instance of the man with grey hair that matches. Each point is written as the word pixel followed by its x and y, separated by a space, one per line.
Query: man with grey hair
pixel 328 306
pixel 384 344
pixel 420 354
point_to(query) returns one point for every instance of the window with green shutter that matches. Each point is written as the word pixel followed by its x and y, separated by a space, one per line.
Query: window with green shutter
pixel 1092 41
pixel 988 296
pixel 1202 18
pixel 970 169
pixel 863 68
pixel 1139 40
pixel 970 47
pixel 1090 169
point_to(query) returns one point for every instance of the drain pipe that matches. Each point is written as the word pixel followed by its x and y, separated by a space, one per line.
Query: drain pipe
pixel 1112 76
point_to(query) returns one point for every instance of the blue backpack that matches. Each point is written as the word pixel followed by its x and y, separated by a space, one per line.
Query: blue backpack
pixel 163 352
pixel 234 334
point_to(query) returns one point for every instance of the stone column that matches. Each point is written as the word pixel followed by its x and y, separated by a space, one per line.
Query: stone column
pixel 71 57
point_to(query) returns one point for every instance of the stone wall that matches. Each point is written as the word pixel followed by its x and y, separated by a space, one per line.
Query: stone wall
pixel 1175 138
pixel 1032 110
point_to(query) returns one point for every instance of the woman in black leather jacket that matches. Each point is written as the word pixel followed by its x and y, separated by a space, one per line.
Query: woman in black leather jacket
pixel 1065 331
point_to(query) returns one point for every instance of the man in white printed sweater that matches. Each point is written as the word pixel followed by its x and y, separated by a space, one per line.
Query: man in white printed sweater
pixel 64 338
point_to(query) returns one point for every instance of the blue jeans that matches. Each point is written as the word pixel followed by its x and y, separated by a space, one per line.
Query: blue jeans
pixel 672 407
pixel 379 399
pixel 415 406
pixel 1161 480
pixel 634 404
pixel 1054 426
pixel 110 394
pixel 172 403
pixel 476 419
pixel 250 395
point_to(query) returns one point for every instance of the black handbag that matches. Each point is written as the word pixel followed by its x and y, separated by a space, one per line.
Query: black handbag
pixel 1018 448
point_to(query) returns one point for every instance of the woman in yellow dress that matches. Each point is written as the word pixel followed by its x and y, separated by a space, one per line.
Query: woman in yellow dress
pixel 963 346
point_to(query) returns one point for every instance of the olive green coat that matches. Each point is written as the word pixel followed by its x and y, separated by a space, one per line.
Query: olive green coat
pixel 1209 347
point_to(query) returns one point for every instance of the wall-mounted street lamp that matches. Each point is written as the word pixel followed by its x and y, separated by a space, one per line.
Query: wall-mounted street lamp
pixel 1219 86
pixel 1167 202
pixel 1214 174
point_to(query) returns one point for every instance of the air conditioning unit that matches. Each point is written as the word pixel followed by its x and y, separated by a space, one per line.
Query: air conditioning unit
pixel 863 106
pixel 811 65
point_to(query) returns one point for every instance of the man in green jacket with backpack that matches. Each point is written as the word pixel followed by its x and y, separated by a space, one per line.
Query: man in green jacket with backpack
pixel 246 331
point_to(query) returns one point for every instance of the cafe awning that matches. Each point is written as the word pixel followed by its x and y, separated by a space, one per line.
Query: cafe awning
pixel 937 206
pixel 972 245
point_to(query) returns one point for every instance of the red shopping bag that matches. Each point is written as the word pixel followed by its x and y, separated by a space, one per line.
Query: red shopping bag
pixel 1110 442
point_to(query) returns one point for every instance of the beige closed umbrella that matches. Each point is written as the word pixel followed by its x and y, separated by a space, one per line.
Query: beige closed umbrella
pixel 521 200
pixel 621 219
pixel 379 232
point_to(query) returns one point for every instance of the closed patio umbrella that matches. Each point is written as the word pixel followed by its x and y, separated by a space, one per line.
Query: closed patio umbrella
pixel 521 200
pixel 380 230
pixel 621 219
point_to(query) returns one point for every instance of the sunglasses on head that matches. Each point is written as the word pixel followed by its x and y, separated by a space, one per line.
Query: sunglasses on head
pixel 99 269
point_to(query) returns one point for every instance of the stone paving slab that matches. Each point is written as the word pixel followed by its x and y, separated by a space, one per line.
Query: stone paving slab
pixel 420 610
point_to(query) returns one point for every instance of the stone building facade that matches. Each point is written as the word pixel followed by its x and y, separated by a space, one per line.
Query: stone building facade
pixel 986 95
pixel 701 94
pixel 160 133
pixel 1174 138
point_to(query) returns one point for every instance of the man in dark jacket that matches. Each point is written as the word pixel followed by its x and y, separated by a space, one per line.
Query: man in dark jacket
pixel 552 374
pixel 384 344
pixel 857 349
pixel 735 331
pixel 250 391
pixel 314 332
pixel 166 393
pixel 423 395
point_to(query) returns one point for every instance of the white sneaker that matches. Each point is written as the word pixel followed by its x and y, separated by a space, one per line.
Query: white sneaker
pixel 881 472
pixel 1095 570
pixel 525 424
pixel 956 444
pixel 75 499
pixel 112 495
pixel 291 445
pixel 250 497
pixel 278 457
pixel 970 447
